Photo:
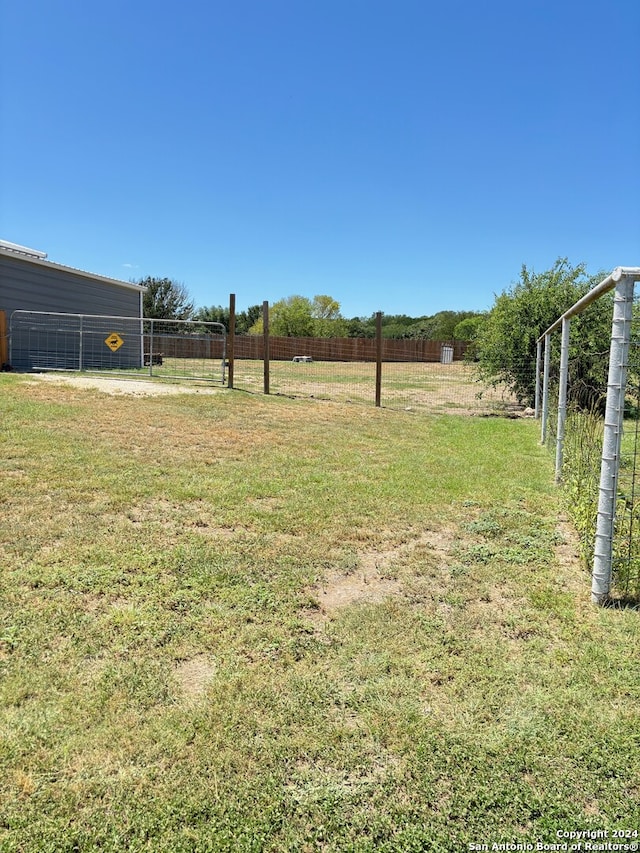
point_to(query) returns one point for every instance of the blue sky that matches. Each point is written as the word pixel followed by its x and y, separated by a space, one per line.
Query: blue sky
pixel 404 156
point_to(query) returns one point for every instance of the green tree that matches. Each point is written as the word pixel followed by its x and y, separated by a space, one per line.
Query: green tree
pixel 166 299
pixel 213 314
pixel 506 338
pixel 467 329
pixel 328 322
pixel 360 327
pixel 288 318
pixel 440 326
pixel 246 319
pixel 395 326
pixel 299 317
pixel 220 314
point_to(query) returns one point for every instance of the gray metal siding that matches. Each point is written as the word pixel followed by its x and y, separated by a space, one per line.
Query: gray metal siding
pixel 29 286
pixel 73 342
pixel 34 287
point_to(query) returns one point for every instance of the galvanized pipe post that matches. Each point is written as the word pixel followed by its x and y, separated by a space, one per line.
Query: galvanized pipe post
pixel 538 361
pixel 613 425
pixel 562 396
pixel 80 345
pixel 151 348
pixel 545 388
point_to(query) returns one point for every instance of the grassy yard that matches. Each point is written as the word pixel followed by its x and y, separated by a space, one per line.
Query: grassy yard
pixel 245 623
pixel 421 386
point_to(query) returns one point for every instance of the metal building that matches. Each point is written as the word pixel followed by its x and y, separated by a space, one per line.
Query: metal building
pixel 38 297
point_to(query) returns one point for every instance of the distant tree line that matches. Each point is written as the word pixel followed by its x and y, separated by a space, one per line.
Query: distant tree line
pixel 443 326
pixel 300 317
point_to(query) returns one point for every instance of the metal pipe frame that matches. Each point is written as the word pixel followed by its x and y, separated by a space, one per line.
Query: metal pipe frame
pixel 611 444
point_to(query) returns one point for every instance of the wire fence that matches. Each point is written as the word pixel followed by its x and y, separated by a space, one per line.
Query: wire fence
pixel 433 387
pixel 574 427
pixel 581 481
pixel 412 375
pixel 133 346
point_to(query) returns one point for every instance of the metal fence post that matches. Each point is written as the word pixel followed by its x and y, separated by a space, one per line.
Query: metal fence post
pixel 562 396
pixel 4 355
pixel 545 388
pixel 80 345
pixel 613 424
pixel 538 361
pixel 150 347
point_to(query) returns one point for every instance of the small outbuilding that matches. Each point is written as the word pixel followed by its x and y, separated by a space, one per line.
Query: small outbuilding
pixel 43 305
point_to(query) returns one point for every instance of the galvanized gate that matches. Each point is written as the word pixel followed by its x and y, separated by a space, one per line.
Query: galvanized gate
pixel 135 346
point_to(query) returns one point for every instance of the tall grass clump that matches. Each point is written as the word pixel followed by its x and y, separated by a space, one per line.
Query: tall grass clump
pixel 581 477
pixel 626 552
pixel 581 474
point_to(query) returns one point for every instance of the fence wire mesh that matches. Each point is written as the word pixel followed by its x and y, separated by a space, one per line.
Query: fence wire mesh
pixel 626 552
pixel 131 346
pixel 438 387
pixel 582 457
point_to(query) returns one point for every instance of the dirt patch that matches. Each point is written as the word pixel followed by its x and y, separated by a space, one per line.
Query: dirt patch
pixel 371 581
pixel 128 387
pixel 340 591
pixel 568 548
pixel 573 575
pixel 195 675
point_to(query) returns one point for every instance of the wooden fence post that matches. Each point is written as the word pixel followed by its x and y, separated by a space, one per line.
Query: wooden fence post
pixel 265 334
pixel 378 357
pixel 231 341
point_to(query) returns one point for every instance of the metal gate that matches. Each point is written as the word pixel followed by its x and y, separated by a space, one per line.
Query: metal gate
pixel 134 346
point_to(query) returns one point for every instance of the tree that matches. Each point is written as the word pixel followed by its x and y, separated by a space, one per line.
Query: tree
pixel 328 322
pixel 360 327
pixel 467 329
pixel 219 314
pixel 166 299
pixel 246 319
pixel 213 314
pixel 299 317
pixel 506 338
pixel 288 318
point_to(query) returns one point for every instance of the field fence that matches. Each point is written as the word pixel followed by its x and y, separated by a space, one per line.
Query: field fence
pixel 442 382
pixel 596 441
pixel 412 375
pixel 581 473
pixel 132 346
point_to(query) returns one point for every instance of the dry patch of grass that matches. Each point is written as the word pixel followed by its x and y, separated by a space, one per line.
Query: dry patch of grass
pixel 376 576
pixel 438 388
pixel 194 676
pixel 115 385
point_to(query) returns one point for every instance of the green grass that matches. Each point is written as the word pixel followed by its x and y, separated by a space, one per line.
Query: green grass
pixel 421 386
pixel 178 674
pixel 418 386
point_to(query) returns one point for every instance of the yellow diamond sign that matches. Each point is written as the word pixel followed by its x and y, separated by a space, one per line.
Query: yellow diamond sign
pixel 114 341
